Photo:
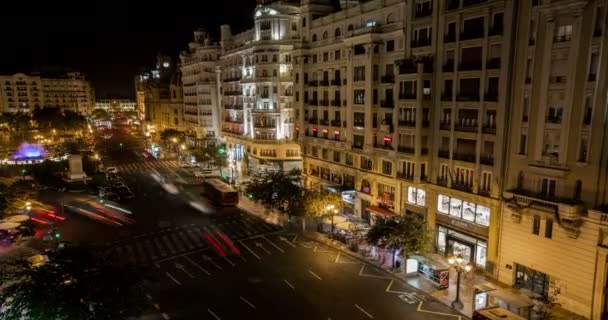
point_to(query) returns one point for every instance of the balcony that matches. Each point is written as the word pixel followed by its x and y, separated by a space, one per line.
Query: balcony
pixel 264 96
pixel 313 102
pixel 407 123
pixel 422 42
pixel 493 63
pixel 335 103
pixel 405 149
pixel 359 124
pixel 466 187
pixel 324 103
pixel 492 96
pixel 450 37
pixel 445 125
pixel 592 77
pixel 407 66
pixel 496 30
pixel 389 104
pixel 554 119
pixel 233 107
pixel 262 125
pixel 526 195
pixel 324 122
pixel 313 83
pixel 389 78
pixel 466 157
pixel 335 82
pixel 426 123
pixel 470 66
pixel 313 121
pixel 335 123
pixel 448 66
pixel 357 146
pixel 323 83
pixel 423 13
pixel 405 176
pixel 465 128
pixel 446 96
pixel 453 5
pixel 467 97
pixel 230 120
pixel 489 129
pixel 407 96
pixel 467 3
pixel 468 35
pixel 442 181
pixel 487 159
pixel 233 93
pixel 232 79
pixel 424 151
pixel 445 154
pixel 383 146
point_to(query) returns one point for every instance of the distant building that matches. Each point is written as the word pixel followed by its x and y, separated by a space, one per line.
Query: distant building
pixel 21 93
pixel 116 105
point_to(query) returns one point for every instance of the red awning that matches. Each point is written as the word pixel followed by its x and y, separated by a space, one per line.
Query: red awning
pixel 381 211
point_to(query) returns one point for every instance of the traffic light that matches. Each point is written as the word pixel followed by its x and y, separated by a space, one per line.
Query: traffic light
pixel 250 196
pixel 23 171
pixel 57 235
pixel 221 150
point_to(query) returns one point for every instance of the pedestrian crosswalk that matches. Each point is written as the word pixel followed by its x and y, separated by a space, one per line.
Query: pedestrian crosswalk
pixel 147 166
pixel 173 241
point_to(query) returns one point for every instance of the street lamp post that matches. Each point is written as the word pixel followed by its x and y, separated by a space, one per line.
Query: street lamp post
pixel 332 209
pixel 461 267
pixel 28 207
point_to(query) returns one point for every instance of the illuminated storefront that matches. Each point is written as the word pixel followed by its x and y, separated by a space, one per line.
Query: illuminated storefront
pixel 462 229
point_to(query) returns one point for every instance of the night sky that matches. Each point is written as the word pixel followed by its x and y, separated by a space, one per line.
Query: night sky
pixel 111 46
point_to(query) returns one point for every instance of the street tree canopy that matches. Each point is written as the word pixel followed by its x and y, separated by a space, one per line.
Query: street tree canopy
pixel 169 134
pixel 276 189
pixel 15 196
pixel 100 114
pixel 74 284
pixel 407 232
pixel 316 203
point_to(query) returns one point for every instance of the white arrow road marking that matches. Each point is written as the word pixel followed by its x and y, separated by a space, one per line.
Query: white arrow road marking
pixel 365 312
pixel 287 241
pixel 247 302
pixel 172 278
pixel 274 245
pixel 261 246
pixel 314 275
pixel 213 314
pixel 253 253
pixel 289 284
pixel 180 266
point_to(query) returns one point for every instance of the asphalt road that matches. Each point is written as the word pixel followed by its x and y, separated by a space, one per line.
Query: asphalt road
pixel 224 264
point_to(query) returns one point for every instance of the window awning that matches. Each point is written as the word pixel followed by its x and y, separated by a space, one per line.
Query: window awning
pixel 381 211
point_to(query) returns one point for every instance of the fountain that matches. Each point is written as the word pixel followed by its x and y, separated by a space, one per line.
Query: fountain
pixel 29 152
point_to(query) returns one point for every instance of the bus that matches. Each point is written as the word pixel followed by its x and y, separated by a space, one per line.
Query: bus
pixel 221 192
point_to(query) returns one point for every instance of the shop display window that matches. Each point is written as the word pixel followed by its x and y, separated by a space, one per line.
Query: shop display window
pixel 443 204
pixel 480 255
pixel 468 211
pixel 482 216
pixel 456 207
pixel 441 242
pixel 416 196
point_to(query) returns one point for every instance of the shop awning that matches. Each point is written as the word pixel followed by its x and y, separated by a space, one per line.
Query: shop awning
pixel 339 189
pixel 381 211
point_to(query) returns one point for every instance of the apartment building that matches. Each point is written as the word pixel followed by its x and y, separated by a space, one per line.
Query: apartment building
pixel 20 93
pixel 257 89
pixel 201 90
pixel 116 105
pixel 165 102
pixel 68 92
pixel 553 239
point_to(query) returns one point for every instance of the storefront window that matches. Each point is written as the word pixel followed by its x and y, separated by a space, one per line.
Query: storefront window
pixel 480 255
pixel 456 207
pixel 468 211
pixel 416 196
pixel 441 231
pixel 482 216
pixel 443 204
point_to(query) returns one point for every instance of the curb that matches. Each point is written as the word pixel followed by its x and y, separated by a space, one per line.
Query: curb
pixel 330 243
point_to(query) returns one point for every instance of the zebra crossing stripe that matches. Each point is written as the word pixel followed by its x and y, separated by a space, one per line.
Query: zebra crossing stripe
pixel 160 247
pixel 192 234
pixel 186 240
pixel 169 245
pixel 141 251
pixel 150 247
pixel 177 242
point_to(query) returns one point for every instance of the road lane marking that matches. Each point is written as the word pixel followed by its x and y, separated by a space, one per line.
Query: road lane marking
pixel 160 247
pixel 287 241
pixel 253 253
pixel 156 306
pixel 213 314
pixel 230 262
pixel 365 312
pixel 338 257
pixel 274 245
pixel 197 265
pixel 208 259
pixel 180 266
pixel 314 275
pixel 289 284
pixel 172 278
pixel 148 296
pixel 247 302
pixel 419 309
pixel 370 275
pixel 165 316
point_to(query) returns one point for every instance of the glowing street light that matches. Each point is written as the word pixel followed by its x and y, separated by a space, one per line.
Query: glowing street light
pixel 183 146
pixel 461 267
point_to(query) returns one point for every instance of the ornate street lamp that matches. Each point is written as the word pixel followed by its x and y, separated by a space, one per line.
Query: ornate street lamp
pixel 460 266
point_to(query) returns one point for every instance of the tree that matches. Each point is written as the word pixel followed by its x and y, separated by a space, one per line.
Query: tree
pixel 100 114
pixel 408 232
pixel 276 189
pixel 321 204
pixel 74 284
pixel 212 156
pixel 170 134
pixel 15 196
pixel 73 120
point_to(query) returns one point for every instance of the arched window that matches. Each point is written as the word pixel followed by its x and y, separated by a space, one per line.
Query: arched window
pixel 325 35
pixel 337 33
pixel 389 18
pixel 350 27
pixel 366 187
pixel 314 38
